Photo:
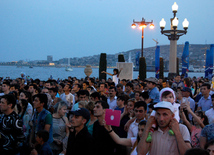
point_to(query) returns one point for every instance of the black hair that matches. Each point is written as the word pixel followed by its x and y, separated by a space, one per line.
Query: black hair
pixel 164 94
pixel 95 94
pixel 209 143
pixel 103 98
pixel 24 105
pixel 196 151
pixel 43 134
pixel 62 85
pixel 34 86
pixel 116 70
pixel 82 92
pixel 121 97
pixel 144 95
pixel 10 98
pixel 103 104
pixel 42 98
pixel 113 88
pixel 140 104
pixel 129 84
pixel 7 83
pixel 206 85
pixel 203 116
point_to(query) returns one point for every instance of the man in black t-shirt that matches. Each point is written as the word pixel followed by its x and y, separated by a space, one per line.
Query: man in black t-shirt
pixel 103 142
pixel 11 135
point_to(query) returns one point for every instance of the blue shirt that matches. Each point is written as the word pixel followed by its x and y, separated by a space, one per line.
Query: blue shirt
pixel 207 132
pixel 154 95
pixel 205 104
pixel 121 109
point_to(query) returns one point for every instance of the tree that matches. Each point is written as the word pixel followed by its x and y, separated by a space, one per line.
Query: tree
pixel 142 68
pixel 121 58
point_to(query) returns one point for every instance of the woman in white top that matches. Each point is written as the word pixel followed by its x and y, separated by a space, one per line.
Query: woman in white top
pixel 130 142
pixel 115 75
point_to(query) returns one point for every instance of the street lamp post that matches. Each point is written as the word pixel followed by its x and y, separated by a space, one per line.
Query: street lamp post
pixel 142 25
pixel 142 61
pixel 173 35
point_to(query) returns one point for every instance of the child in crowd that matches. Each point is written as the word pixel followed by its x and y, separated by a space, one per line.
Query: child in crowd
pixel 115 75
pixel 166 94
pixel 42 137
pixel 199 121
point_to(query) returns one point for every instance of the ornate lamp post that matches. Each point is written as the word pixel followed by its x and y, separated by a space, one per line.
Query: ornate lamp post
pixel 142 62
pixel 142 25
pixel 173 35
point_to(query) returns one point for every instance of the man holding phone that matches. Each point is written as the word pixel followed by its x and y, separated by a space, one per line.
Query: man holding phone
pixel 162 141
pixel 103 141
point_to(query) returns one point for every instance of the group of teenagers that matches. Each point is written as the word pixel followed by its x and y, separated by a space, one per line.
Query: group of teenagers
pixel 158 116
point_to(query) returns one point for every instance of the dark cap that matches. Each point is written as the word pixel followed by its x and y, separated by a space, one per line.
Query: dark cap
pixel 186 89
pixel 152 79
pixel 82 112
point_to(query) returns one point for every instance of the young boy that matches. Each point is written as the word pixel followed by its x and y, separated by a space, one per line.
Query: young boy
pixel 42 137
pixel 166 94
pixel 120 103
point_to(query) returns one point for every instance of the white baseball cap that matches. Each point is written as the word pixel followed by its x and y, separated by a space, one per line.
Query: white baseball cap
pixel 164 105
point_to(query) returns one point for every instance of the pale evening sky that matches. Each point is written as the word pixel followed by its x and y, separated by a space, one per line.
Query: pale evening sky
pixel 33 29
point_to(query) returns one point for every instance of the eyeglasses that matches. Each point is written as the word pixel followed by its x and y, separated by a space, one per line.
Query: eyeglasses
pixel 140 111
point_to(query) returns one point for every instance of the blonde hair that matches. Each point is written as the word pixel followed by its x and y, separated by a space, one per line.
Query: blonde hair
pixel 59 105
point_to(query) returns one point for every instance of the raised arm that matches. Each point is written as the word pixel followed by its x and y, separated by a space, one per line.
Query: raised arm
pixel 183 117
pixel 107 73
pixel 119 72
pixel 195 116
pixel 116 138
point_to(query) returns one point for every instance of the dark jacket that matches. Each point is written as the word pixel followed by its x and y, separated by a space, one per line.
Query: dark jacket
pixel 81 144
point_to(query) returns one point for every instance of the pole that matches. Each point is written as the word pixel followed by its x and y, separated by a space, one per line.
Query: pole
pixel 142 42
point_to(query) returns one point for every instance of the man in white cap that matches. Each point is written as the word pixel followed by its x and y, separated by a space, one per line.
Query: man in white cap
pixel 162 141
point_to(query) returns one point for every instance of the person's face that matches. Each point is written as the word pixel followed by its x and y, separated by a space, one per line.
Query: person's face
pixel 102 87
pixel 92 98
pixel 36 103
pixel 39 140
pixel 120 102
pixel 140 130
pixel 163 116
pixel 136 88
pixel 31 89
pixel 82 97
pixel 5 87
pixel 128 88
pixel 185 94
pixel 149 85
pixel 112 92
pixel 77 121
pixel 84 86
pixel 130 106
pixel 12 88
pixel 47 85
pixel 4 106
pixel 75 88
pixel 66 88
pixel 194 121
pixel 119 90
pixel 22 96
pixel 204 90
pixel 177 78
pixel 137 96
pixel 51 92
pixel 45 91
pixel 140 113
pixel 98 110
pixel 168 98
pixel 62 111
pixel 60 88
pixel 211 149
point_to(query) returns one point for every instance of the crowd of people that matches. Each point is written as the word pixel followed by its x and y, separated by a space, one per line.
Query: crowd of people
pixel 158 116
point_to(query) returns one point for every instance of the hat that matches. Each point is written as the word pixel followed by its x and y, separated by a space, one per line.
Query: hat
pixel 164 105
pixel 186 89
pixel 152 79
pixel 82 112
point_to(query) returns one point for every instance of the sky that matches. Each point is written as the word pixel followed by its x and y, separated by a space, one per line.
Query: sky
pixel 33 29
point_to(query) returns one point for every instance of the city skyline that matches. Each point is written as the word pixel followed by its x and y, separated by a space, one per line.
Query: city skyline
pixel 34 29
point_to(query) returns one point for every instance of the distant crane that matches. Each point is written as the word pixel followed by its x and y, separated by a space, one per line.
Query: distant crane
pixel 156 41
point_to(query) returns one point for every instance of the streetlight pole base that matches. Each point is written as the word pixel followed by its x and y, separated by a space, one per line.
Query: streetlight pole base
pixel 171 75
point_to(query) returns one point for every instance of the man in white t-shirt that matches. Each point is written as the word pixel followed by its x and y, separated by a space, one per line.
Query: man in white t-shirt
pixel 140 108
pixel 210 113
pixel 112 99
pixel 67 96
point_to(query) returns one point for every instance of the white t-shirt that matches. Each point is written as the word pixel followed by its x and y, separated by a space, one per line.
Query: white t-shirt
pixel 115 79
pixel 210 115
pixel 69 99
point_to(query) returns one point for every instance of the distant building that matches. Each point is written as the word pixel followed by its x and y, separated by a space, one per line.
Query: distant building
pixel 50 58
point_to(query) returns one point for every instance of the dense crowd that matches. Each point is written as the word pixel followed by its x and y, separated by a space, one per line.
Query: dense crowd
pixel 158 116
